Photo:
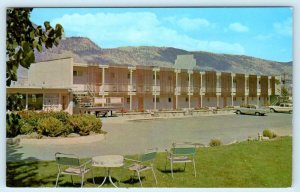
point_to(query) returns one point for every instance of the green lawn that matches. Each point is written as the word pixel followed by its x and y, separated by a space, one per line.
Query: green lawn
pixel 246 164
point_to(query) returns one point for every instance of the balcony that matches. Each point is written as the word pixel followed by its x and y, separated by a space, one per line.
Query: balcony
pixel 233 90
pixel 191 89
pixel 155 89
pixel 246 91
pixel 177 90
pixel 131 88
pixel 218 89
pixel 258 91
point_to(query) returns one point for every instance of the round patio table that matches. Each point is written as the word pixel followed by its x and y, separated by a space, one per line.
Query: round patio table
pixel 108 162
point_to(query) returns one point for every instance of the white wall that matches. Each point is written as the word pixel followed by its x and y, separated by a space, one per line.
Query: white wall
pixel 55 73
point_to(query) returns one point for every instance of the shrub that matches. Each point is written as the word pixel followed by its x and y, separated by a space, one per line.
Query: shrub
pixel 269 133
pixel 84 124
pixel 215 142
pixel 50 127
pixel 26 128
pixel 61 115
pixel 12 124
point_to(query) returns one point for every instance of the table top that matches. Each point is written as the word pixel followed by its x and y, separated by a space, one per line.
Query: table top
pixel 108 161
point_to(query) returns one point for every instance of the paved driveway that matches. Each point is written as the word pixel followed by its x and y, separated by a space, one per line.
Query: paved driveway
pixel 132 137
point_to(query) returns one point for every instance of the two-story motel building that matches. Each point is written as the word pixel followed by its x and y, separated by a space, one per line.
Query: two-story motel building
pixel 53 84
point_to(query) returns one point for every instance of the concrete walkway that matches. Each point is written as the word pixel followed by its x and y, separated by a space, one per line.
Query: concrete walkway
pixel 132 137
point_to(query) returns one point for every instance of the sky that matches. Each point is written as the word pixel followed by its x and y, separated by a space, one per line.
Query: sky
pixel 265 32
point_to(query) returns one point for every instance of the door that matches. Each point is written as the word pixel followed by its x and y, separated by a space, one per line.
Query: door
pixel 224 101
pixel 141 104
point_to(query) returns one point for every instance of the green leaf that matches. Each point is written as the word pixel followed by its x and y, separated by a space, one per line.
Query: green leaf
pixel 47 25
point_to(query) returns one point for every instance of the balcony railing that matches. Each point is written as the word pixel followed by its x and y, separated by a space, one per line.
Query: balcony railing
pixel 155 88
pixel 269 91
pixel 233 90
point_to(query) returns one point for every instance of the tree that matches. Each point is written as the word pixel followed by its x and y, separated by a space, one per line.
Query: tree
pixel 23 38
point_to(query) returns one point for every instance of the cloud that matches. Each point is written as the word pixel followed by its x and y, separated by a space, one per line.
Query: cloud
pixel 192 24
pixel 238 27
pixel 264 36
pixel 110 30
pixel 284 27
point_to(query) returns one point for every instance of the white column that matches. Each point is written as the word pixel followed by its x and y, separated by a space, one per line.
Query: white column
pixel 26 105
pixel 218 100
pixel 176 73
pixel 59 101
pixel 245 102
pixel 130 102
pixel 189 90
pixel 232 104
pixel 43 101
pixel 130 97
pixel 201 86
pixel 155 90
pixel 103 82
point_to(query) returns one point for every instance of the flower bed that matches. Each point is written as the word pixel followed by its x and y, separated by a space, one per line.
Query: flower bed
pixel 53 124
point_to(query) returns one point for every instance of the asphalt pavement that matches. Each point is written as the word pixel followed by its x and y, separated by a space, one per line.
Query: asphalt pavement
pixel 133 137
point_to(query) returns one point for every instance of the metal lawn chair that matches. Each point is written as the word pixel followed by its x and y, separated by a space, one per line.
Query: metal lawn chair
pixel 145 162
pixel 69 164
pixel 181 153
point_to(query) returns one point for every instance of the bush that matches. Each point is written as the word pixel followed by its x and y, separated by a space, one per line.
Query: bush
pixel 269 133
pixel 26 128
pixel 215 142
pixel 61 115
pixel 50 127
pixel 12 124
pixel 84 124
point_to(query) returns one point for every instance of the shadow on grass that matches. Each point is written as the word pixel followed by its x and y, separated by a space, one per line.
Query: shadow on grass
pixel 22 172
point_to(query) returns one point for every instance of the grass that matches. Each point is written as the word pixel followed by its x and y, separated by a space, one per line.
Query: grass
pixel 245 164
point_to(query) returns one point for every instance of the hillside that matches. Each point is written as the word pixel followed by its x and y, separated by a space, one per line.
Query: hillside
pixel 84 50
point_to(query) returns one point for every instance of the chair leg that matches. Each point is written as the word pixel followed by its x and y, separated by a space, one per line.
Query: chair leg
pixel 93 175
pixel 72 179
pixel 57 180
pixel 194 167
pixel 172 168
pixel 139 178
pixel 82 179
pixel 154 175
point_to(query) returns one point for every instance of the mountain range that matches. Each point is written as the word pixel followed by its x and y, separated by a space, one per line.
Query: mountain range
pixel 83 50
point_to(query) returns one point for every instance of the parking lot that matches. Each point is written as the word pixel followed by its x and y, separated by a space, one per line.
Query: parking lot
pixel 132 137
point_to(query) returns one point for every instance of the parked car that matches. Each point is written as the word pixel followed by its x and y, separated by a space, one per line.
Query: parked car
pixel 252 110
pixel 283 107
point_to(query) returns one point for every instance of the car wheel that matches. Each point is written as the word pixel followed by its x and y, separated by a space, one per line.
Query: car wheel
pixel 257 113
pixel 238 112
pixel 272 110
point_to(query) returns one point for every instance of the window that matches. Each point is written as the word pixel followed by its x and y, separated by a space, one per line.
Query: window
pixel 128 76
pixel 207 99
pixel 35 101
pixel 128 99
pixel 186 99
pixel 157 99
pixel 234 98
pixel 170 99
pixel 169 78
pixel 77 73
pixel 112 75
pixel 157 76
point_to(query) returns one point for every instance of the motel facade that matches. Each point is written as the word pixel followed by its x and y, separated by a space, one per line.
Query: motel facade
pixel 63 84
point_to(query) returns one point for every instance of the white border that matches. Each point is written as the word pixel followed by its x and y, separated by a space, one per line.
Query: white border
pixel 153 3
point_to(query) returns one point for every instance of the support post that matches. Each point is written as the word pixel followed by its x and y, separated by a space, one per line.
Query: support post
pixel 189 90
pixel 154 89
pixel 26 105
pixel 103 82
